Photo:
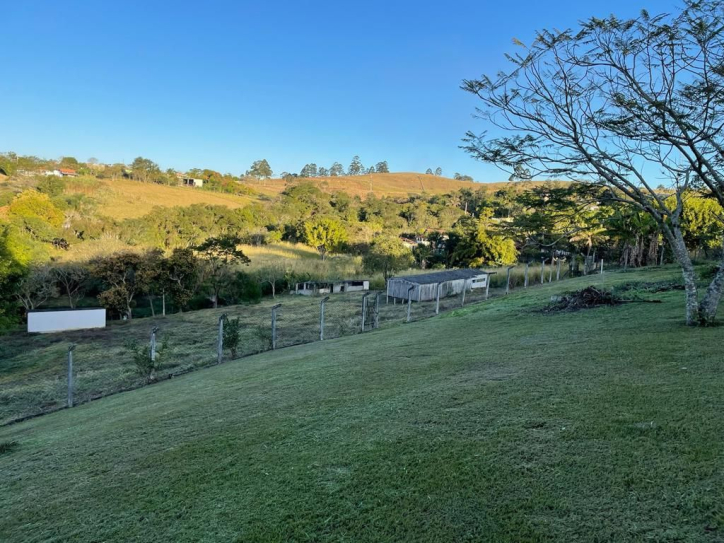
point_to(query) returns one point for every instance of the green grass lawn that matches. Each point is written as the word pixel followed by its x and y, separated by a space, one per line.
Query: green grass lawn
pixel 491 423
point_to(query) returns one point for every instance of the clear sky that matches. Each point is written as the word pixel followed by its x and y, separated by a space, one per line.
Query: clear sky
pixel 221 83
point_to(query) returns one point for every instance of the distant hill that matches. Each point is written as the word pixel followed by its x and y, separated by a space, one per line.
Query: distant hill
pixel 382 184
pixel 126 198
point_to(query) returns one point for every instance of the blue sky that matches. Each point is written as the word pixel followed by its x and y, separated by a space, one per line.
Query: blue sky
pixel 222 83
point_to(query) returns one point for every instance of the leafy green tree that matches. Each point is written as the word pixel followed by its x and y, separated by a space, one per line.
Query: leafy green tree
pixel 119 276
pixel 336 170
pixel 219 257
pixel 323 172
pixel 52 186
pixel 309 170
pixel 355 168
pixel 260 169
pixel 382 167
pixel 182 274
pixel 35 214
pixel 438 171
pixel 476 244
pixel 144 169
pixel 325 234
pixel 429 172
pixel 387 255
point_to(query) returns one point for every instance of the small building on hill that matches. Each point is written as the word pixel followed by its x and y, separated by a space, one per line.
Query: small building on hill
pixel 67 172
pixel 424 287
pixel 311 288
pixel 192 182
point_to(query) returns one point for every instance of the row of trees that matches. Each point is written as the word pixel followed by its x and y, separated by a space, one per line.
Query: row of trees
pixel 335 170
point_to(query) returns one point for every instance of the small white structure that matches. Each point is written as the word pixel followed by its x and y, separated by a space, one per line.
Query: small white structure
pixel 425 286
pixel 54 320
pixel 311 288
pixel 192 182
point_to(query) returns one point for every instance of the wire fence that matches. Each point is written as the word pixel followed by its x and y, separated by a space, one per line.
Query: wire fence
pixel 35 376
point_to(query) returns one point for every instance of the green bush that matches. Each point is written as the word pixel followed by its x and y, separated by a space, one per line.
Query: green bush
pixel 232 335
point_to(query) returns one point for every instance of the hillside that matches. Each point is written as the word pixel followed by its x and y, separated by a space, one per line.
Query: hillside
pixel 493 423
pixel 124 198
pixel 383 184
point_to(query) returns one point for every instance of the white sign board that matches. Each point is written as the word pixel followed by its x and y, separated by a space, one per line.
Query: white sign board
pixel 69 319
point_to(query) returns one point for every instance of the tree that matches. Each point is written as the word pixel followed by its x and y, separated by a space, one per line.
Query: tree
pixel 336 170
pixel 323 172
pixel 309 170
pixel 34 288
pixel 260 169
pixel 355 168
pixel 35 214
pixel 326 234
pixel 182 275
pixel 387 255
pixel 475 245
pixel 271 275
pixel 219 257
pixel 438 171
pixel 612 101
pixel 382 167
pixel 371 170
pixel 72 279
pixel 461 177
pixel 144 169
pixel 119 275
pixel 429 172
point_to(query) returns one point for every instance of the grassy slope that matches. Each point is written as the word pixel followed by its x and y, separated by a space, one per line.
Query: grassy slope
pixel 493 423
pixel 124 198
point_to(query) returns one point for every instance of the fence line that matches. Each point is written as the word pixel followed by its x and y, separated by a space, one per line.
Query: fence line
pixel 297 320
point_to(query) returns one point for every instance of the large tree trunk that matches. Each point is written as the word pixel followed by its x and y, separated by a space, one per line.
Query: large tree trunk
pixel 710 303
pixel 676 239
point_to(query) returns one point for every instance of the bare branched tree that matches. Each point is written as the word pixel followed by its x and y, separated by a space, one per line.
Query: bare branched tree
pixel 36 287
pixel 72 279
pixel 625 104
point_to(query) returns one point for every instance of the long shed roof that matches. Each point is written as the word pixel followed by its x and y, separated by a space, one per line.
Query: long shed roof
pixel 440 277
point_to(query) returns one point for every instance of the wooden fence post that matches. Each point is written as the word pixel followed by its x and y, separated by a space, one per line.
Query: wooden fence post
pixel 542 270
pixel 558 271
pixel 465 288
pixel 377 310
pixel 71 348
pixel 321 318
pixel 152 349
pixel 274 325
pixel 487 285
pixel 220 340
pixel 525 282
pixel 409 302
pixel 602 266
pixel 507 280
pixel 364 309
pixel 437 299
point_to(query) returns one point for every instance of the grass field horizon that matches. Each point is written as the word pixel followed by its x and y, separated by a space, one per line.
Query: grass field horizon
pixel 496 422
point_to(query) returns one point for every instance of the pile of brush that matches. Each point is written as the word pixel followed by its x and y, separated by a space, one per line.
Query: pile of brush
pixel 583 299
pixel 587 298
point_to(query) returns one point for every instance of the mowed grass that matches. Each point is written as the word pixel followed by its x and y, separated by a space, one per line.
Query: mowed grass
pixel 491 423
